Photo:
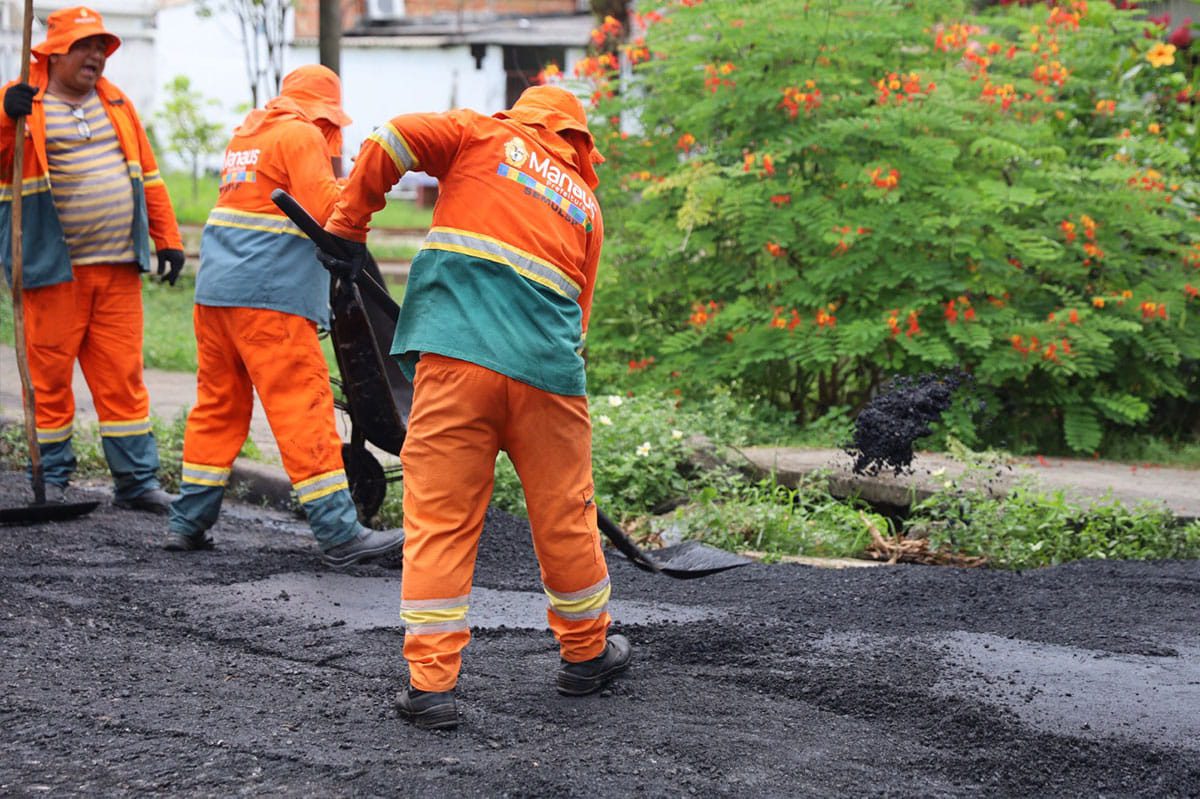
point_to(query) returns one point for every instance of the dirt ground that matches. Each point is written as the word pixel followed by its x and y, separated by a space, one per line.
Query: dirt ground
pixel 254 670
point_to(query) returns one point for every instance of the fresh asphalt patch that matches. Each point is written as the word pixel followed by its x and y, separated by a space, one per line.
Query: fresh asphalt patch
pixel 127 670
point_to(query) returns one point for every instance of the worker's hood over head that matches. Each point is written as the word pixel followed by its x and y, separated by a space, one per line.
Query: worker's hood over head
pixel 312 92
pixel 559 111
pixel 66 26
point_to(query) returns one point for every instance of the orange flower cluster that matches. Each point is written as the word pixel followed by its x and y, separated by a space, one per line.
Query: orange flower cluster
pixel 549 74
pixel 1150 310
pixel 1106 108
pixel 1148 180
pixel 781 322
pixel 1004 93
pixel 902 88
pixel 1033 346
pixel 886 180
pixel 775 249
pixel 781 200
pixel 596 67
pixel 913 325
pixel 1191 257
pixel 956 36
pixel 685 143
pixel 637 51
pixel 610 28
pixel 702 313
pixel 825 318
pixel 1068 20
pixel 1191 291
pixel 952 313
pixel 1072 317
pixel 1052 73
pixel 639 365
pixel 715 76
pixel 794 99
pixel 749 159
pixel 843 245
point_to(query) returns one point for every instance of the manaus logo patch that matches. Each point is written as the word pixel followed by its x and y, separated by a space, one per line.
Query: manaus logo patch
pixel 515 151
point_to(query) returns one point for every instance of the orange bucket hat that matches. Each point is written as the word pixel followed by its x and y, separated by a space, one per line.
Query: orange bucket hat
pixel 317 90
pixel 66 26
pixel 556 109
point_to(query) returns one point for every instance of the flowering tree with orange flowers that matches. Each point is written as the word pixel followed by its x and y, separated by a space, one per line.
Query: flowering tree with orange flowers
pixel 806 198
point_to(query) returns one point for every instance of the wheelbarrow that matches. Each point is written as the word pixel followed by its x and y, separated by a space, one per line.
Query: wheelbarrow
pixel 377 397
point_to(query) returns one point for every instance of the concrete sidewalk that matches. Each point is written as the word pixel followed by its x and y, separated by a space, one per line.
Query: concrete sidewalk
pixel 171 393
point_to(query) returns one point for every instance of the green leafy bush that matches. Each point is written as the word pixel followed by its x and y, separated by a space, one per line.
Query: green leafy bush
pixel 880 188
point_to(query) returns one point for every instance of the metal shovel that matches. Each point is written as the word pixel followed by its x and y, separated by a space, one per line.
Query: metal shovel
pixel 40 510
pixel 685 561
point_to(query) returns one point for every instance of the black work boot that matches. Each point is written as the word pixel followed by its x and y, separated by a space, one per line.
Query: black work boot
pixel 580 679
pixel 428 710
pixel 182 542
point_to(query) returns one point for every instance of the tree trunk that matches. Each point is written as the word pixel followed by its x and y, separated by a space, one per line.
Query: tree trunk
pixel 329 39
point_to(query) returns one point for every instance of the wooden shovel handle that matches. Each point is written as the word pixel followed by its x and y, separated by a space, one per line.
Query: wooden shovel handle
pixel 18 283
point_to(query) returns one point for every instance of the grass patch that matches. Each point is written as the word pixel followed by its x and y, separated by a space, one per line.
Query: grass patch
pixel 192 207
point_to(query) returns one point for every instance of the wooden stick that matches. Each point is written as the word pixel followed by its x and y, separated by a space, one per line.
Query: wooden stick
pixel 18 188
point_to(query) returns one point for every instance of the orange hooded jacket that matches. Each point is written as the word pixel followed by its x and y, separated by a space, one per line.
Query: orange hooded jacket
pixel 251 254
pixel 506 274
pixel 46 260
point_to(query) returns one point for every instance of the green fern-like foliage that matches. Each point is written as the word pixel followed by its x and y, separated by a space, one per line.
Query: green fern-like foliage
pixel 875 188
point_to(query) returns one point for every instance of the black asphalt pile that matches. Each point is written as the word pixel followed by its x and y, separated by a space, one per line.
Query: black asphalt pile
pixel 128 670
pixel 900 414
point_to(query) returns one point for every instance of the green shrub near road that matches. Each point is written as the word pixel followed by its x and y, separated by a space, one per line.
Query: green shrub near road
pixel 883 188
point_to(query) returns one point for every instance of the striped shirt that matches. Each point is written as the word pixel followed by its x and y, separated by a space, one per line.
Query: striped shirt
pixel 90 182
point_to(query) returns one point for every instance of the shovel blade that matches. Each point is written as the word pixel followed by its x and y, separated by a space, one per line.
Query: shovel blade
pixel 692 559
pixel 49 512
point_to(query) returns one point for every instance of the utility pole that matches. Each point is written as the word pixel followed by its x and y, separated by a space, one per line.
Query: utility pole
pixel 329 39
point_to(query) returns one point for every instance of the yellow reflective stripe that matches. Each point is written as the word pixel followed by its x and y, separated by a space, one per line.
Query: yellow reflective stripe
pixel 387 137
pixel 586 604
pixel 152 178
pixel 199 474
pixel 247 220
pixel 28 186
pixel 526 264
pixel 431 616
pixel 135 169
pixel 53 435
pixel 137 427
pixel 321 486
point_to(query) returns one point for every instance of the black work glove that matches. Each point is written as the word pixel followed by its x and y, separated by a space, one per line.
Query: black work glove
pixel 170 264
pixel 18 100
pixel 348 266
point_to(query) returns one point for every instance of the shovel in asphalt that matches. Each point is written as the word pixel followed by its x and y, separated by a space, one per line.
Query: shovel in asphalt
pixel 684 561
pixel 40 510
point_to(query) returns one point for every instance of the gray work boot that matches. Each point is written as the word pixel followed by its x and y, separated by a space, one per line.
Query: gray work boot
pixel 153 501
pixel 368 544
pixel 56 493
pixel 580 679
pixel 428 710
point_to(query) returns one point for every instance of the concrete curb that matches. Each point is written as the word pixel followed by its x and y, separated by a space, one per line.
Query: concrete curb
pixel 250 481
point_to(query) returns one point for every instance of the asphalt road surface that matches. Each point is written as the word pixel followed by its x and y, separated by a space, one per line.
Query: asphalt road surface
pixel 255 670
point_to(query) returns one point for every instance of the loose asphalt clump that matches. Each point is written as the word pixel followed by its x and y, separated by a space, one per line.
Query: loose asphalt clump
pixel 903 412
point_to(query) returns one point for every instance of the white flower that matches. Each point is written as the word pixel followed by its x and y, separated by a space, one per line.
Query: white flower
pixel 615 401
pixel 604 420
pixel 676 434
pixel 644 449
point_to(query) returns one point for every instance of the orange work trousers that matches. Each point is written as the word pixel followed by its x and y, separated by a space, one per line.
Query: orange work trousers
pixel 97 319
pixel 462 416
pixel 240 350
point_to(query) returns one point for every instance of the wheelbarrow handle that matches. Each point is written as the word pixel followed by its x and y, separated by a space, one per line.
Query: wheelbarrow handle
pixel 326 241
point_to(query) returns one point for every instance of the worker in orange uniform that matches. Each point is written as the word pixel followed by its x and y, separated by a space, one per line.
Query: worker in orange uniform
pixel 92 200
pixel 260 296
pixel 491 333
